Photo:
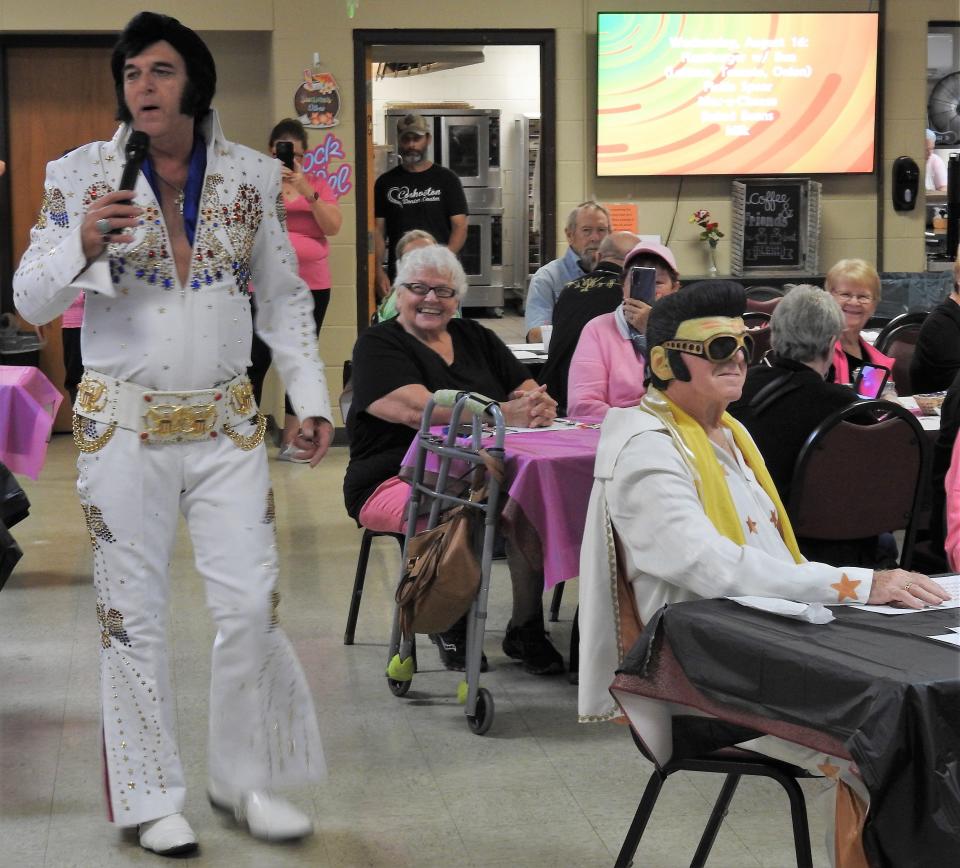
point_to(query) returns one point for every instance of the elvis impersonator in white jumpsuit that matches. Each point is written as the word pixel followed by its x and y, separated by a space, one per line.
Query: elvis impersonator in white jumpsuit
pixel 165 423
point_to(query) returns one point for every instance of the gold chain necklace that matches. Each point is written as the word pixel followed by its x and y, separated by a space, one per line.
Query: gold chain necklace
pixel 179 191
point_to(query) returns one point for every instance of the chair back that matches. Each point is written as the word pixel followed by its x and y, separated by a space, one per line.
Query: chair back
pixel 759 325
pixel 898 339
pixel 861 472
pixel 763 305
pixel 913 318
pixel 764 293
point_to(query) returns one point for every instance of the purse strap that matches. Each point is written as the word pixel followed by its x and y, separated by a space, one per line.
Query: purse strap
pixel 478 483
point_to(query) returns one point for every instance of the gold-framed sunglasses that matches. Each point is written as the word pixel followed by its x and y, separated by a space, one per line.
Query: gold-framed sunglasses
pixel 716 348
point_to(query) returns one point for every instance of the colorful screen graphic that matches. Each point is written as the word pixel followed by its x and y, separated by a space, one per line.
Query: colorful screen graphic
pixel 735 94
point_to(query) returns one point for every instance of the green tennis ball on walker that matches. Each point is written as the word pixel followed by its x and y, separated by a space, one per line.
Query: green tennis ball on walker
pixel 400 670
pixel 462 693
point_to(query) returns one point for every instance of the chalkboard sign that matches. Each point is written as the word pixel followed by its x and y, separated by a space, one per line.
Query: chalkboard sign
pixel 776 226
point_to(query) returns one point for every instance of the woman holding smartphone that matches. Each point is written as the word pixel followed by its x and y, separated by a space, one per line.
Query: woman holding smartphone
pixel 607 369
pixel 312 216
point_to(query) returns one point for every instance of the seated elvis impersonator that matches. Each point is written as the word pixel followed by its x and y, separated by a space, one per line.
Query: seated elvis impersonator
pixel 683 508
pixel 165 423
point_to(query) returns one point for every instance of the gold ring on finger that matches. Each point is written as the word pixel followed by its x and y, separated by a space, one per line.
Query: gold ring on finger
pixel 908 586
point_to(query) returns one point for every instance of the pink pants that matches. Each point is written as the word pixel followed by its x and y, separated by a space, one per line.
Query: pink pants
pixel 386 509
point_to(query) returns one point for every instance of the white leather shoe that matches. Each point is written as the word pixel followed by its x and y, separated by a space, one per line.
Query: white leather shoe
pixel 266 816
pixel 168 836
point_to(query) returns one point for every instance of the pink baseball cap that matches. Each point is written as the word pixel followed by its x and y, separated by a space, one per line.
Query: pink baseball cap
pixel 654 248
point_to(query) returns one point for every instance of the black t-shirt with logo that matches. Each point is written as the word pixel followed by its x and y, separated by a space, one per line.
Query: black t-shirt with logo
pixel 417 200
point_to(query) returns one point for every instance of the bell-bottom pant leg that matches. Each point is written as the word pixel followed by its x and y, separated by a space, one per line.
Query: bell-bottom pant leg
pixel 129 493
pixel 263 725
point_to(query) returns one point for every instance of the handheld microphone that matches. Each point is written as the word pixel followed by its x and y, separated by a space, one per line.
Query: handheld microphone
pixel 135 152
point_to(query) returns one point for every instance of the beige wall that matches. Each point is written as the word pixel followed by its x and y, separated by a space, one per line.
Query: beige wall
pixel 298 28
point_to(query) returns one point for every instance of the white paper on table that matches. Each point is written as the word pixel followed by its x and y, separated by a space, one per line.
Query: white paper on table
pixel 949 638
pixel 531 348
pixel 951 584
pixel 929 423
pixel 557 425
pixel 521 355
pixel 812 613
pixel 908 402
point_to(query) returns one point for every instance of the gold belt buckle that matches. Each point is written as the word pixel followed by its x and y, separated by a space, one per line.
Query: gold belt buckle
pixel 91 394
pixel 180 418
pixel 241 397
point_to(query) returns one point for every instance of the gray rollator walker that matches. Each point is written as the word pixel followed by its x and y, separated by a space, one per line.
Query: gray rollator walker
pixel 463 446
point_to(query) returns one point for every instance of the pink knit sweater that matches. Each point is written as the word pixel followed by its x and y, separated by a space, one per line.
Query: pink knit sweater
pixel 605 370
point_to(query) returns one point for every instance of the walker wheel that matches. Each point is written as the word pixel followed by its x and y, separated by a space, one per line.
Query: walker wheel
pixel 482 717
pixel 399 688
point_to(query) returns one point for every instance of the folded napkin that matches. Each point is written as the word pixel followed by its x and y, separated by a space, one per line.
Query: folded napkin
pixel 812 613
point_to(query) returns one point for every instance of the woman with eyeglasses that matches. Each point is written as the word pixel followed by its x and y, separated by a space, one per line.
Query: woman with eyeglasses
pixel 683 508
pixel 397 366
pixel 313 215
pixel 855 285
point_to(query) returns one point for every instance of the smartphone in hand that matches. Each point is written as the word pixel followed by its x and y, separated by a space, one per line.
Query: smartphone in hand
pixel 870 380
pixel 643 283
pixel 284 152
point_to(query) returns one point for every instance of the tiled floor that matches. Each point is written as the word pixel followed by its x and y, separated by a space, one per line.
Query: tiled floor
pixel 408 784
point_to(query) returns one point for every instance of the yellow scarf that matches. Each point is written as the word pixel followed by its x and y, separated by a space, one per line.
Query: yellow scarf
pixel 694 446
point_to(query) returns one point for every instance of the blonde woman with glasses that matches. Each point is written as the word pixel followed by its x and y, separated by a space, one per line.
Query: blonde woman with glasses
pixel 855 285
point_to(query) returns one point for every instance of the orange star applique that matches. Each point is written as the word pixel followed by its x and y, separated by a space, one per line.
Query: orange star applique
pixel 751 525
pixel 775 519
pixel 846 587
pixel 829 769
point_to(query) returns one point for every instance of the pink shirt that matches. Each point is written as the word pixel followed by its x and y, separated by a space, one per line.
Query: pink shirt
pixel 309 242
pixel 874 357
pixel 952 486
pixel 605 370
pixel 73 315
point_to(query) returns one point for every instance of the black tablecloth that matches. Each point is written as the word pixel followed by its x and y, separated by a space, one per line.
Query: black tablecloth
pixel 872 681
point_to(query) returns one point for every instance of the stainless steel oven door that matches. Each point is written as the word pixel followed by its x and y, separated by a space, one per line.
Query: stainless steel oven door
pixel 477 250
pixel 470 149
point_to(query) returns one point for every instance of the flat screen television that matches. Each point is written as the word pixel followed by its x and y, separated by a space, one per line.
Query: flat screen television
pixel 743 93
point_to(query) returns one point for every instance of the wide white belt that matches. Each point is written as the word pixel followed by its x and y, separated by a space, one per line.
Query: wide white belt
pixel 165 416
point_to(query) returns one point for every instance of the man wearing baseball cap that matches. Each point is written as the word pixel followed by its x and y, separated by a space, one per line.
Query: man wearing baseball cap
pixel 417 194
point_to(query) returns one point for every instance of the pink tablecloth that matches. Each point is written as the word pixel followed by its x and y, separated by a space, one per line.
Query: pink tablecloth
pixel 549 477
pixel 28 405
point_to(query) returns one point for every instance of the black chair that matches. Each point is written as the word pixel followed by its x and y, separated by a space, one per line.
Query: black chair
pixel 763 293
pixel 861 472
pixel 361 574
pixel 899 340
pixel 759 324
pixel 914 317
pixel 734 763
pixel 665 679
pixel 346 396
pixel 763 305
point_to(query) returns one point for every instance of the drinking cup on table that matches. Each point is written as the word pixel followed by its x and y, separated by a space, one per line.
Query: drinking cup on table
pixel 545 332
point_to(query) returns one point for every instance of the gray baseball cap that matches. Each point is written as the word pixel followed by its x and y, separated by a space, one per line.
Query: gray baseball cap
pixel 415 124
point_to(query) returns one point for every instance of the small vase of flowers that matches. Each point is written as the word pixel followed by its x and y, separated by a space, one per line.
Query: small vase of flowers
pixel 710 232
